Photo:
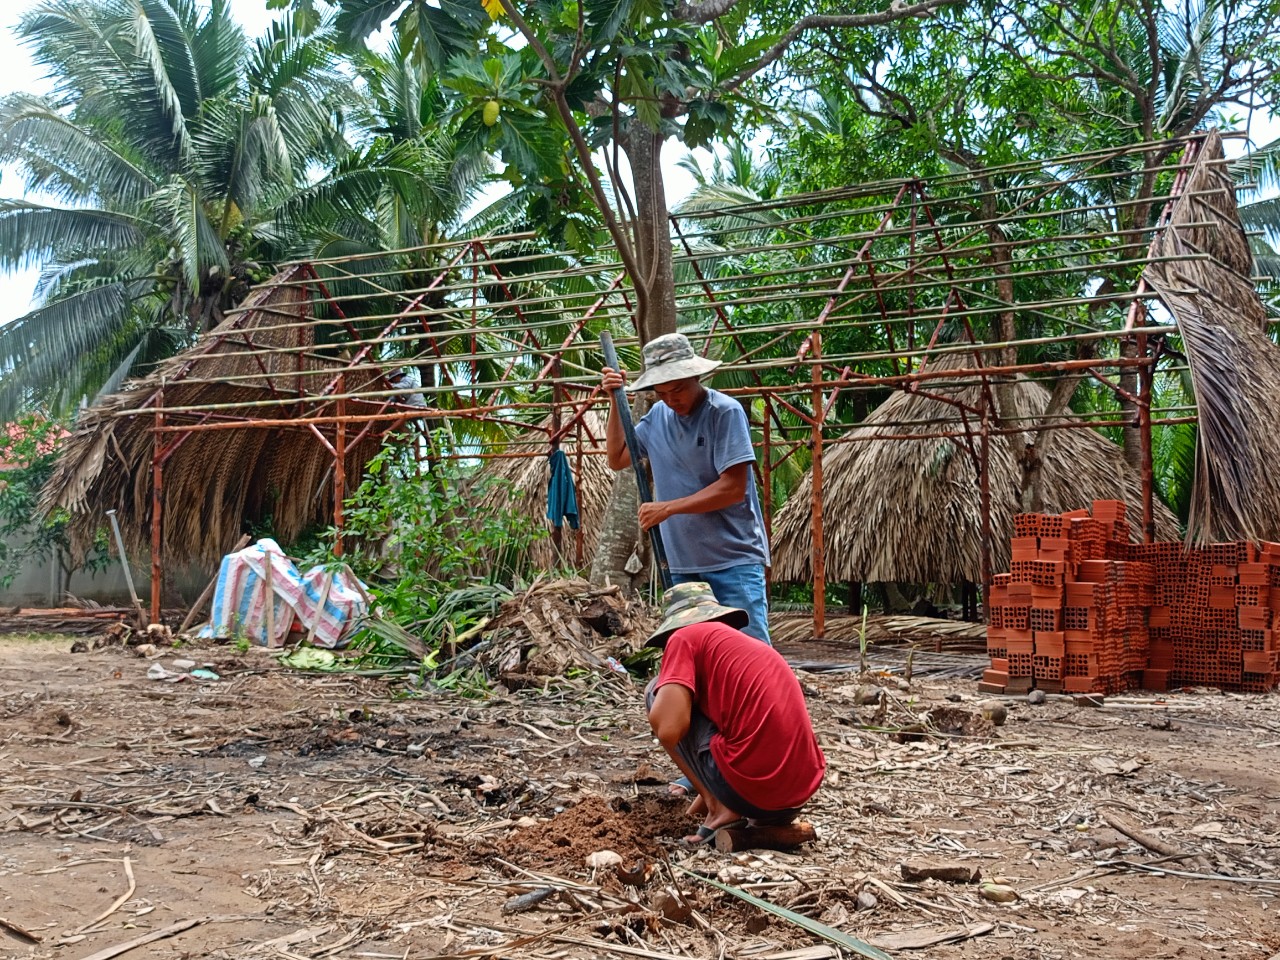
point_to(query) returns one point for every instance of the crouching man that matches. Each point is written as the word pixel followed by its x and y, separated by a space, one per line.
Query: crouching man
pixel 732 716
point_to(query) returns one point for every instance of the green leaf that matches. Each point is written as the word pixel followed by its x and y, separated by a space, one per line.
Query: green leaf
pixel 705 121
pixel 31 231
pixel 359 18
pixel 605 18
pixel 64 158
pixel 531 144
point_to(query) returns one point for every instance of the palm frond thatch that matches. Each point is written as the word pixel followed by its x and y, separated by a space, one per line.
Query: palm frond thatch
pixel 217 483
pixel 909 510
pixel 1235 367
pixel 527 477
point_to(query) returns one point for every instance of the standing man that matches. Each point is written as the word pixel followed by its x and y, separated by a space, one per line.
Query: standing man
pixel 698 445
pixel 732 716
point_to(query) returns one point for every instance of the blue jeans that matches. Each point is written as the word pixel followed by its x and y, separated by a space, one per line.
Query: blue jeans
pixel 742 587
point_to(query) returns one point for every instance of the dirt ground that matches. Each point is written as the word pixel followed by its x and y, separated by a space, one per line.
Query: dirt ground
pixel 277 814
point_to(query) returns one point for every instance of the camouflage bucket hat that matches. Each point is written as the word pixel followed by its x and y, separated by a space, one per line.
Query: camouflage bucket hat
pixel 689 603
pixel 670 357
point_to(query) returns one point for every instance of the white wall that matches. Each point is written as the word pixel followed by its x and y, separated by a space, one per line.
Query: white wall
pixel 35 586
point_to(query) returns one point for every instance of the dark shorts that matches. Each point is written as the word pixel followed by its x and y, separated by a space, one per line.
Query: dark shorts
pixel 695 750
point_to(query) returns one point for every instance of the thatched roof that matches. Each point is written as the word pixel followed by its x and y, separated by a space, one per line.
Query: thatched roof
pixel 528 476
pixel 1235 367
pixel 217 482
pixel 909 510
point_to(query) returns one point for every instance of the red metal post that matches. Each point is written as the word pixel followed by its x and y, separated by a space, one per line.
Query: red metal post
pixel 339 469
pixel 157 505
pixel 984 488
pixel 819 559
pixel 580 535
pixel 557 398
pixel 766 482
pixel 766 471
pixel 1146 378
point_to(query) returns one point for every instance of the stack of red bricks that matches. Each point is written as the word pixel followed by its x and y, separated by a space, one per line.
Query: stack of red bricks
pixel 1071 613
pixel 1212 618
pixel 1084 610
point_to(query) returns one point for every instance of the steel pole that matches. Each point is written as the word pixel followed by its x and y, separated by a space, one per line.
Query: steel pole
pixel 642 480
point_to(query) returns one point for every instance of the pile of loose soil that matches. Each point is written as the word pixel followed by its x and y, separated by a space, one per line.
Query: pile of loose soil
pixel 635 829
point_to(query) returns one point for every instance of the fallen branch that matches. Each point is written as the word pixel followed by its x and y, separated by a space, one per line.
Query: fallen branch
pixel 163 933
pixel 1187 874
pixel 120 901
pixel 20 932
pixel 1134 833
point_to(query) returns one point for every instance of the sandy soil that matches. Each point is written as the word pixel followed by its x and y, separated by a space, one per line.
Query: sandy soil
pixel 335 816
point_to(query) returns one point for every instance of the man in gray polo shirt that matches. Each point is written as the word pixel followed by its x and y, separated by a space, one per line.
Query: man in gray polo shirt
pixel 698 445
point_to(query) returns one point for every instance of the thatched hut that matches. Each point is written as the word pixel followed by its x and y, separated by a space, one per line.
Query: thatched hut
pixel 909 510
pixel 216 483
pixel 526 476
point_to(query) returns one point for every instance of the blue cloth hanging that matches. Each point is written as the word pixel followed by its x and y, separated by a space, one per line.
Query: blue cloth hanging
pixel 562 499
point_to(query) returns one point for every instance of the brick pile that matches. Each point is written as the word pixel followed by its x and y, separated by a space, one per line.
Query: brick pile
pixel 1084 610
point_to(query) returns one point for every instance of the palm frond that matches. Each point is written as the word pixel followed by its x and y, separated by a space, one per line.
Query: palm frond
pixel 37 350
pixel 240 154
pixel 64 159
pixel 217 49
pixel 152 41
pixel 30 232
pixel 1261 166
pixel 117 377
pixel 179 207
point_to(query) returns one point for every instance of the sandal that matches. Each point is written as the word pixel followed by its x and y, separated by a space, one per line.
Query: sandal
pixel 707 835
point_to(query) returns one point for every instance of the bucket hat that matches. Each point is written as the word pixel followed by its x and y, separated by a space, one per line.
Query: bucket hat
pixel 689 603
pixel 670 357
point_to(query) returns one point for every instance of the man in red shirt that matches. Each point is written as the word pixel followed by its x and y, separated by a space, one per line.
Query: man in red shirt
pixel 731 714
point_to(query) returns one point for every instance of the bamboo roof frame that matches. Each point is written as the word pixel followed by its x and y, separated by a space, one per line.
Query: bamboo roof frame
pixel 313 358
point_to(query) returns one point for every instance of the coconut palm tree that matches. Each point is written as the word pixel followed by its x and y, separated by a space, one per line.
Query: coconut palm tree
pixel 154 174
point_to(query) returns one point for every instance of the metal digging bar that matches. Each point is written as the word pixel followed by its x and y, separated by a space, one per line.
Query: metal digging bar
pixel 642 480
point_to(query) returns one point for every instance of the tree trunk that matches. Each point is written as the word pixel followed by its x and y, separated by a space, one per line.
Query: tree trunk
pixel 619 535
pixel 620 528
pixel 652 233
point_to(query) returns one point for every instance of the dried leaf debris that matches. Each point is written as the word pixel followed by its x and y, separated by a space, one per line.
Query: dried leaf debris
pixel 283 815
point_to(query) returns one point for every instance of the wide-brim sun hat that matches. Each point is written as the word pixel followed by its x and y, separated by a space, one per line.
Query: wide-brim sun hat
pixel 670 357
pixel 688 603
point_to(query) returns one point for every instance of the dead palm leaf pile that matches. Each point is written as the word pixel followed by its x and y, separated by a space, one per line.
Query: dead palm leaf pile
pixel 217 482
pixel 558 625
pixel 879 629
pixel 909 510
pixel 1235 367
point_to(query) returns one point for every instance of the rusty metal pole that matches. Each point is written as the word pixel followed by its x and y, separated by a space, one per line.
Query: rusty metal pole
pixel 557 531
pixel 157 506
pixel 579 535
pixel 766 472
pixel 984 487
pixel 819 560
pixel 339 468
pixel 1146 381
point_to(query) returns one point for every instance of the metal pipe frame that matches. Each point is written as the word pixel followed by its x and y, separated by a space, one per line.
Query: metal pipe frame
pixel 327 413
